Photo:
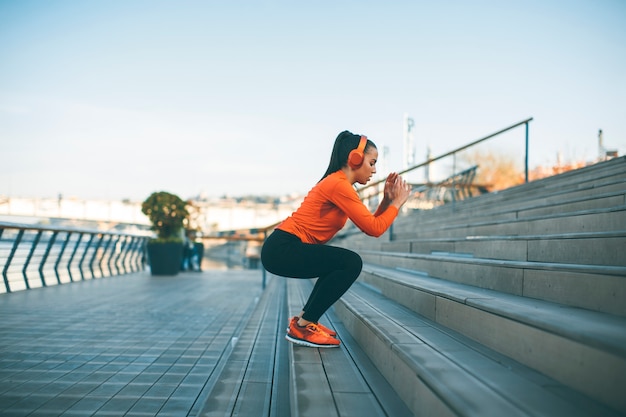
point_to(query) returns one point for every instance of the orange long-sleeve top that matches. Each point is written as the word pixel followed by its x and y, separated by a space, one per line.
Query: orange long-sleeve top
pixel 328 206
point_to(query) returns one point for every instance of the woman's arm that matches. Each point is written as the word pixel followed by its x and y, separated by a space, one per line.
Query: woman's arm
pixel 345 197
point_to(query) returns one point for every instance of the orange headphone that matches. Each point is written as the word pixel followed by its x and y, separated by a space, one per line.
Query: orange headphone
pixel 355 158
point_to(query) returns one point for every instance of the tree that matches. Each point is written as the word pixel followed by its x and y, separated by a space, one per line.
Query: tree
pixel 496 171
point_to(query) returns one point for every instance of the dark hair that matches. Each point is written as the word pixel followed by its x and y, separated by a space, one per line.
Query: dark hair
pixel 346 141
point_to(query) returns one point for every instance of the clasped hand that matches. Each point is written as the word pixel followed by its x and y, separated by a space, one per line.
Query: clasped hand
pixel 397 190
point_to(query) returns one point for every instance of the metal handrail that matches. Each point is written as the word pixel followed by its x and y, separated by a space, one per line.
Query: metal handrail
pixel 53 252
pixel 462 148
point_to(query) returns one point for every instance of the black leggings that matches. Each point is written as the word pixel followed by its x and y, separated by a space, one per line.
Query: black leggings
pixel 336 268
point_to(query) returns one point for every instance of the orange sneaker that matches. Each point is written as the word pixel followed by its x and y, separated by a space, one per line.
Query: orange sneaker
pixel 328 331
pixel 310 335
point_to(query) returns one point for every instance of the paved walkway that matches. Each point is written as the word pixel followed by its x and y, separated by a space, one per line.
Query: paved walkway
pixel 133 345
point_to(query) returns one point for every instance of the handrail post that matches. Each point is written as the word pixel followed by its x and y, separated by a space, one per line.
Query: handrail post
pixel 121 255
pixel 128 257
pixel 95 255
pixel 104 254
pixel 69 262
pixel 526 158
pixel 453 182
pixel 61 252
pixel 44 258
pixel 263 273
pixel 29 257
pixel 16 243
pixel 141 254
pixel 133 254
pixel 82 259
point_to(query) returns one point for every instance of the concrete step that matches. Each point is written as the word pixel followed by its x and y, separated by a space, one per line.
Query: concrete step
pixel 592 212
pixel 335 381
pixel 440 372
pixel 587 201
pixel 547 337
pixel 599 248
pixel 593 287
pixel 554 203
pixel 585 177
pixel 534 194
pixel 544 205
pixel 597 220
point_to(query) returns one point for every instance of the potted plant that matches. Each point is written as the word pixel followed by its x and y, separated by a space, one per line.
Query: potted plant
pixel 168 215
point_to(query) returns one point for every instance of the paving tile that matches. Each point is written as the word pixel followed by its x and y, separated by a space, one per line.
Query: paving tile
pixel 34 401
pixel 148 405
pixel 134 390
pixel 81 388
pixel 161 390
pixel 119 404
pixel 148 378
pixel 88 405
pixel 59 404
pixel 176 407
pixel 108 389
pixel 123 377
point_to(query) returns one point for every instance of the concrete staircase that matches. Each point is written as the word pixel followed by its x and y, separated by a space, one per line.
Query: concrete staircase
pixel 507 304
pixel 511 303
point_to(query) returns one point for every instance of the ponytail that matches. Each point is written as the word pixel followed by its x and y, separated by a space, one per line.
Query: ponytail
pixel 344 144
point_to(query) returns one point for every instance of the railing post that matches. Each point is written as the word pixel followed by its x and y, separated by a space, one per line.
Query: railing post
pixel 103 256
pixel 69 262
pixel 131 255
pixel 113 256
pixel 526 158
pixel 120 255
pixel 262 267
pixel 453 182
pixel 16 243
pixel 61 252
pixel 44 258
pixel 140 255
pixel 28 258
pixel 136 255
pixel 82 259
pixel 95 254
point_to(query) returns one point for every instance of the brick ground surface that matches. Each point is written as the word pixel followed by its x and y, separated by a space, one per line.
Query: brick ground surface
pixel 132 345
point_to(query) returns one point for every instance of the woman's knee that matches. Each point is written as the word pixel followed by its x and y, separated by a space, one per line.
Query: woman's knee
pixel 354 264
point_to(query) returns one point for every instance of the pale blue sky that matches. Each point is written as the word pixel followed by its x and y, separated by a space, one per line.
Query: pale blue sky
pixel 116 99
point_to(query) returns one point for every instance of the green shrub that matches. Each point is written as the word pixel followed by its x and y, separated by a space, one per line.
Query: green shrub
pixel 168 215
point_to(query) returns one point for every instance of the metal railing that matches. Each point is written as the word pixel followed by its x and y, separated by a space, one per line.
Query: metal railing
pixel 33 256
pixel 378 190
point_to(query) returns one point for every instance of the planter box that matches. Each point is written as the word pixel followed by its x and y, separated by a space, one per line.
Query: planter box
pixel 165 258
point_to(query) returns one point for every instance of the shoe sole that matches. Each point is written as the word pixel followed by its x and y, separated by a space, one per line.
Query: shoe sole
pixel 302 342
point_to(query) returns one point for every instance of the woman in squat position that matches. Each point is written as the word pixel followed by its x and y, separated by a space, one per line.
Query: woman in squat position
pixel 296 249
